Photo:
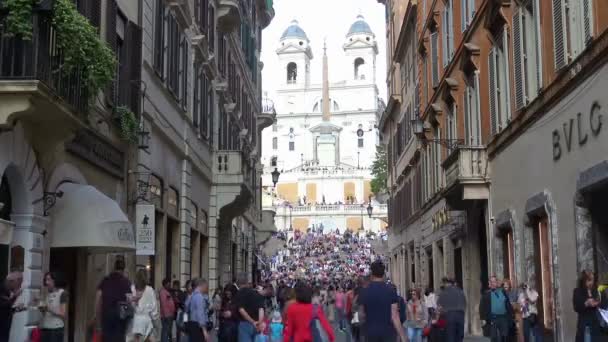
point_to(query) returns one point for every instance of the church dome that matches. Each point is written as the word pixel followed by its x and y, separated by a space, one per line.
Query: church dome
pixel 294 31
pixel 360 26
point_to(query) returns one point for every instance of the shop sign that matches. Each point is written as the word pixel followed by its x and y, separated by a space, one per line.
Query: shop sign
pixel 577 130
pixel 98 151
pixel 145 224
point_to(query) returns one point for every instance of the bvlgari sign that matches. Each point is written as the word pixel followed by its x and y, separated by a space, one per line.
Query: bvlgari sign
pixel 577 131
pixel 144 232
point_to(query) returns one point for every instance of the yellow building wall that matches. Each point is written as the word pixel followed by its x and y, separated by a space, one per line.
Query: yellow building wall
pixel 300 224
pixel 311 192
pixel 349 190
pixel 367 190
pixel 288 191
pixel 353 223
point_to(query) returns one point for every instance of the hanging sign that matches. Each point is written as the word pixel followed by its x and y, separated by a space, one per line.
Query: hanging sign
pixel 145 237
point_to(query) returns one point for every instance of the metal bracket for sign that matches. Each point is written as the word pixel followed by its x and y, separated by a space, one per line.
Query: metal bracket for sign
pixel 450 144
pixel 143 186
pixel 49 199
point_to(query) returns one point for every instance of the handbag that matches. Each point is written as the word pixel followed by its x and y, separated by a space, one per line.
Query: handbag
pixel 532 319
pixel 36 335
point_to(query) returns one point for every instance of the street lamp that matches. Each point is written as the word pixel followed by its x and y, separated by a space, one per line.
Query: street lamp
pixel 369 210
pixel 418 129
pixel 275 176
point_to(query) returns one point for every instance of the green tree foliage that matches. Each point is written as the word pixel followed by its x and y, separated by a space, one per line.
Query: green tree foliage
pixel 379 171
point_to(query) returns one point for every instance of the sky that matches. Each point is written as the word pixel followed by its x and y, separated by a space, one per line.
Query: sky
pixel 322 19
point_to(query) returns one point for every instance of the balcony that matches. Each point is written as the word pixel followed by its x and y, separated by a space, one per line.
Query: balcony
pixel 228 15
pixel 182 11
pixel 268 115
pixel 467 172
pixel 33 85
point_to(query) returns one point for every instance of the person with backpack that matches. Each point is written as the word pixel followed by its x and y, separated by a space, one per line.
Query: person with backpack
pixel 168 310
pixel 112 305
pixel 306 322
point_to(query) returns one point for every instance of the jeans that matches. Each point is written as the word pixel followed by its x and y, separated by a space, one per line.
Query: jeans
pixel 414 334
pixel 500 328
pixel 167 325
pixel 340 317
pixel 52 335
pixel 247 332
pixel 530 329
pixel 454 326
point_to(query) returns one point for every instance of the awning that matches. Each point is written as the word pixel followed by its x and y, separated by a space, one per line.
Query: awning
pixel 85 217
pixel 6 232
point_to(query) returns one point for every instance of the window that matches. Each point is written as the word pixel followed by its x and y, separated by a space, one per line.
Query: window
pixel 292 145
pixel 447 37
pixel 203 102
pixel 527 53
pixel 273 161
pixel 467 13
pixel 173 51
pixel 275 128
pixel 359 75
pixel 211 29
pixel 434 59
pixel 544 271
pixel 275 143
pixel 156 191
pixel 360 142
pixel 183 72
pixel 508 258
pixel 451 124
pixel 425 79
pixel 193 215
pixel 173 202
pixel 292 72
pixel 472 118
pixel 159 37
pixel 121 93
pixel 201 14
pixel 500 99
pixel 572 29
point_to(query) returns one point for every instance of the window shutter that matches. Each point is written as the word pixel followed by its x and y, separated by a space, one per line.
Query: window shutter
pixel 444 38
pixel 94 12
pixel 434 56
pixel 111 12
pixel 477 110
pixel 492 67
pixel 471 10
pixel 463 14
pixel 537 46
pixel 450 30
pixel 134 46
pixel 587 19
pixel 196 102
pixel 559 34
pixel 517 59
pixel 467 116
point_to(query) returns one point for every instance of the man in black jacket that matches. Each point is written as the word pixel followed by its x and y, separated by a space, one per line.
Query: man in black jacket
pixel 496 311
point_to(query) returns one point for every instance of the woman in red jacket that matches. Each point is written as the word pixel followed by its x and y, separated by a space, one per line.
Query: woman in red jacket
pixel 299 315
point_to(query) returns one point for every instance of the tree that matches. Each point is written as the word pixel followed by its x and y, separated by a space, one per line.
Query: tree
pixel 379 171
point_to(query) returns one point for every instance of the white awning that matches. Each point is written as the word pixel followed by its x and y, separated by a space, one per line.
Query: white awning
pixel 6 232
pixel 85 217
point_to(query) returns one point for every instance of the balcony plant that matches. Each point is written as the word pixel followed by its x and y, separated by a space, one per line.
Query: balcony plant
pixel 81 46
pixel 128 123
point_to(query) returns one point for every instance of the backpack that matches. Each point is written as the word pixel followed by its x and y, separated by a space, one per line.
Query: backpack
pixel 316 330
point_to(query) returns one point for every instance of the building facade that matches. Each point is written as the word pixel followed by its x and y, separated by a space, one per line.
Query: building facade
pixel 325 136
pixel 495 147
pixel 159 166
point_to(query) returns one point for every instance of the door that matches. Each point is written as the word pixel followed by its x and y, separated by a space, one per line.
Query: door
pixel 64 260
pixel 458 265
pixel 544 276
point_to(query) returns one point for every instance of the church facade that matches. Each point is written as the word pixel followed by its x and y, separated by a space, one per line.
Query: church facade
pixel 325 136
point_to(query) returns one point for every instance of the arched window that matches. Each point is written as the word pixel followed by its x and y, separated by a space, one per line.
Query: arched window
pixel 292 72
pixel 358 70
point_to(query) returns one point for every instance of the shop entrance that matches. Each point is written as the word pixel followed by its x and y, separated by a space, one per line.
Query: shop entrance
pixel 5 215
pixel 599 221
pixel 483 251
pixel 544 275
pixel 458 266
pixel 64 260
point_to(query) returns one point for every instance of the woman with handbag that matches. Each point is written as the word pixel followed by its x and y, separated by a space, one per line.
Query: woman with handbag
pixel 146 309
pixel 528 297
pixel 586 300
pixel 416 317
pixel 54 309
